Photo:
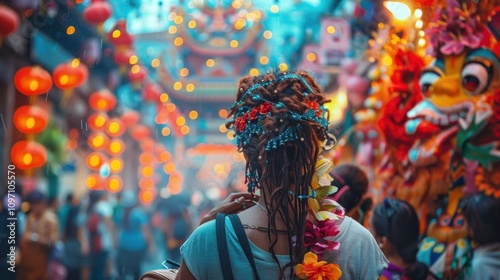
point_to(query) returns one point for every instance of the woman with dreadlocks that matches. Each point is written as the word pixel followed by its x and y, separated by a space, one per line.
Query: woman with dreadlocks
pixel 280 124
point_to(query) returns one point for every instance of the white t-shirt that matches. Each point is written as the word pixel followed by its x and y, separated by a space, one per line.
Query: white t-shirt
pixel 359 257
pixel 104 209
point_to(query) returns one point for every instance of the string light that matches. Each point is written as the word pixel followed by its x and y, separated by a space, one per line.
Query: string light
pixel 155 63
pixel 193 115
pixel 254 72
pixel 116 34
pixel 192 24
pixel 133 59
pixel 70 30
pixel 189 87
pixel 164 97
pixel 210 62
pixel 178 41
pixel 184 72
pixel 311 57
pixel 172 29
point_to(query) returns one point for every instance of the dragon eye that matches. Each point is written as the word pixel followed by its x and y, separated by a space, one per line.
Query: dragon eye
pixel 426 80
pixel 459 221
pixel 475 77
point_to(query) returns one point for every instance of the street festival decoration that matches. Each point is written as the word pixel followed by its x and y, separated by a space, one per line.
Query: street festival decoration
pixel 441 125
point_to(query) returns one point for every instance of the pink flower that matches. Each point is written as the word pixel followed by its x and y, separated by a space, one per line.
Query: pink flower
pixel 454 30
pixel 315 236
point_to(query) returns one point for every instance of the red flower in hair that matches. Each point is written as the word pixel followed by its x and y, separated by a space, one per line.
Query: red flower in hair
pixel 240 124
pixel 315 106
pixel 254 113
pixel 265 108
pixel 246 116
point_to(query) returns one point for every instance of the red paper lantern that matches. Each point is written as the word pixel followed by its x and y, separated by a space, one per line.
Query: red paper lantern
pixel 28 154
pixel 115 128
pixel 116 165
pixel 151 93
pixel 164 156
pixel 98 140
pixel 116 147
pixel 122 56
pixel 146 159
pixel 114 184
pixel 95 160
pixel 9 21
pixel 147 196
pixel 32 80
pixel 147 183
pixel 102 100
pixel 97 12
pixel 31 119
pixel 119 36
pixel 147 145
pixel 97 121
pixel 70 75
pixel 130 118
pixel 140 132
pixel 159 149
pixel 94 182
pixel 137 74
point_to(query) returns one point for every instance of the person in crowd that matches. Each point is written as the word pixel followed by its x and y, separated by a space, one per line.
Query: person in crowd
pixel 62 212
pixel 72 236
pixel 395 226
pixel 482 216
pixel 134 237
pixel 40 235
pixel 352 184
pixel 99 227
pixel 177 228
pixel 280 125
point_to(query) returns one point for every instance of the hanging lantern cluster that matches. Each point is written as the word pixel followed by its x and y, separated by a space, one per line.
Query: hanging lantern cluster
pixel 30 119
pixel 147 163
pixel 105 143
pixel 169 114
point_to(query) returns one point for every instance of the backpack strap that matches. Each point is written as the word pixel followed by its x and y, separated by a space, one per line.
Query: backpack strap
pixel 220 226
pixel 242 238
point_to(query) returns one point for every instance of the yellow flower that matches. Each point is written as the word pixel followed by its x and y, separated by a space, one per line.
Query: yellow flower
pixel 321 177
pixel 312 269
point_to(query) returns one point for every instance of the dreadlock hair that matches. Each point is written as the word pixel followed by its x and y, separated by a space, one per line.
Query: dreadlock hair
pixel 281 141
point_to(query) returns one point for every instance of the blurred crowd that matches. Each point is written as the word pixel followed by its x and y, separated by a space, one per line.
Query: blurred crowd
pixel 98 236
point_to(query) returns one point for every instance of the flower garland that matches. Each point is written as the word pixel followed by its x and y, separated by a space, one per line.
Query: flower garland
pixel 322 224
